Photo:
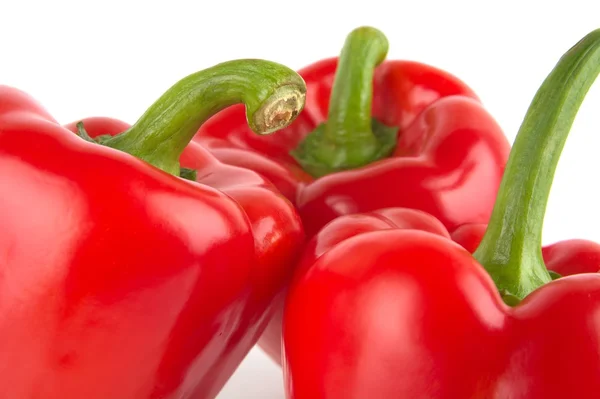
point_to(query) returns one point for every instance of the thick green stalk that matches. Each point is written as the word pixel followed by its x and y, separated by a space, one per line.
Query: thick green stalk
pixel 350 138
pixel 511 247
pixel 273 94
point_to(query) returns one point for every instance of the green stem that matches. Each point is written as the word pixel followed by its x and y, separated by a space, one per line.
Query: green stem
pixel 511 247
pixel 273 94
pixel 349 116
pixel 350 138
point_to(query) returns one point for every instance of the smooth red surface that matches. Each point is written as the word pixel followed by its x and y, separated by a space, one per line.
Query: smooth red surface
pixel 118 280
pixel 449 159
pixel 335 232
pixel 403 313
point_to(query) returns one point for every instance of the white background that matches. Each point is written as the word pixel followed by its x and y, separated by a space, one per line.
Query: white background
pixel 114 58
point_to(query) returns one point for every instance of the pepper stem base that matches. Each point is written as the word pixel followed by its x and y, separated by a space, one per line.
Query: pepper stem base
pixel 319 156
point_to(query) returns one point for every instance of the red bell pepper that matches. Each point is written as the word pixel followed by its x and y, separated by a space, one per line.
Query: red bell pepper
pixel 120 279
pixel 375 134
pixel 430 144
pixel 411 314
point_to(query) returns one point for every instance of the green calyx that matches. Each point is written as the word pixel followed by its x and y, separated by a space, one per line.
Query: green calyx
pixel 511 247
pixel 274 96
pixel 81 132
pixel 350 138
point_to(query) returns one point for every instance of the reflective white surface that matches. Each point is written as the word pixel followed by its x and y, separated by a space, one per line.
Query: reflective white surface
pixel 258 377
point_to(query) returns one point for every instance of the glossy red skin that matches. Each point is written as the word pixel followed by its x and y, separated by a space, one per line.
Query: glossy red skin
pixel 119 280
pixel 566 257
pixel 403 313
pixel 337 231
pixel 449 159
pixel 449 148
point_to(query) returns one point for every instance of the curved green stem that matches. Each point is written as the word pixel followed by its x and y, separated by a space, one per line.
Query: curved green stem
pixel 349 116
pixel 273 94
pixel 350 138
pixel 511 247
